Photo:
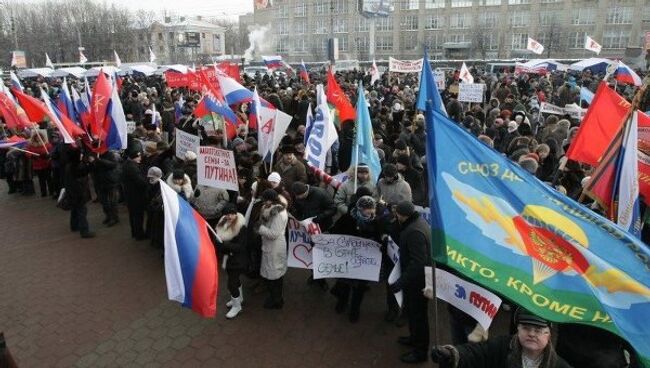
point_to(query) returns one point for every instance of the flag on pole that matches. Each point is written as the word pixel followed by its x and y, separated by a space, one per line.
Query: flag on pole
pixel 625 74
pixel 190 261
pixel 318 144
pixel 13 114
pixel 115 124
pixel 273 62
pixel 337 97
pixel 534 46
pixel 82 58
pixel 304 75
pixel 363 149
pixel 586 95
pixel 13 141
pixel 429 89
pixel 152 56
pixel 118 62
pixel 309 121
pixel 99 106
pixel 465 75
pixel 627 186
pixel 64 102
pixel 15 82
pixel 374 73
pixel 48 62
pixel 592 45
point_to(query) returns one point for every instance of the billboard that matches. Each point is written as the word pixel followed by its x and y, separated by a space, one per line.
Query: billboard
pixel 376 8
pixel 263 4
pixel 18 59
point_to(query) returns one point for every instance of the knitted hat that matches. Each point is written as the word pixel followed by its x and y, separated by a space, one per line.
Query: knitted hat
pixel 154 172
pixel 366 202
pixel 237 141
pixel 405 208
pixel 299 188
pixel 274 178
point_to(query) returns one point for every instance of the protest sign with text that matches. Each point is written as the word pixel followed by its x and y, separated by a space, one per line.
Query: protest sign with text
pixel 471 92
pixel 345 256
pixel 405 66
pixel 300 247
pixel 186 142
pixel 216 168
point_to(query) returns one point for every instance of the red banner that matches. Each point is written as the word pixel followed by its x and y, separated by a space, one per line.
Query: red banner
pixel 192 81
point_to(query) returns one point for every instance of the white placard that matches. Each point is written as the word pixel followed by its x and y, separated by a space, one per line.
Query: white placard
pixel 472 299
pixel 405 66
pixel 186 142
pixel 345 256
pixel 573 110
pixel 130 126
pixel 471 92
pixel 439 78
pixel 216 168
pixel 548 108
pixel 300 247
pixel 396 273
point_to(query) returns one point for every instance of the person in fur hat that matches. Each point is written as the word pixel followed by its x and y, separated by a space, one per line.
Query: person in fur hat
pixel 231 229
pixel 181 184
pixel 272 225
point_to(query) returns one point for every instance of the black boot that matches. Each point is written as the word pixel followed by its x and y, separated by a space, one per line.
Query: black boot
pixel 355 304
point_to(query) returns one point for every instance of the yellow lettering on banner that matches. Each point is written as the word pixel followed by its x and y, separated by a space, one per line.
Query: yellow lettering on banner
pixel 542 301
pixel 601 317
pixel 559 308
pixel 577 313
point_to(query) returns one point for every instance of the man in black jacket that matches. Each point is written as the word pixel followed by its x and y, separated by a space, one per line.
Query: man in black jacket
pixel 135 187
pixel 313 202
pixel 106 168
pixel 414 246
pixel 77 191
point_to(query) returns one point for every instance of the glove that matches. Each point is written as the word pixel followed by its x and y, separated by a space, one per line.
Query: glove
pixel 441 355
pixel 197 193
pixel 396 287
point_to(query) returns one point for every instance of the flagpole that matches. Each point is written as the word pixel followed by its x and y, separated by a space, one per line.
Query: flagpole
pixel 26 151
pixel 38 134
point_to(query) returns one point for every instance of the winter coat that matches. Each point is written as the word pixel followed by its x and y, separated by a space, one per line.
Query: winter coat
pixel 210 201
pixel 393 193
pixel 135 184
pixel 418 190
pixel 414 247
pixel 274 244
pixel 155 216
pixel 291 173
pixel 42 161
pixel 318 204
pixel 106 169
pixel 495 352
pixel 235 243
pixel 185 189
pixel 345 193
pixel 76 183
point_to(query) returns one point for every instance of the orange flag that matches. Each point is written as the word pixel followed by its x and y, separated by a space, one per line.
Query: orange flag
pixel 336 97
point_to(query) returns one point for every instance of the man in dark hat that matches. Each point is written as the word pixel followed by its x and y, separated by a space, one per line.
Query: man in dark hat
pixel 290 168
pixel 414 242
pixel 135 185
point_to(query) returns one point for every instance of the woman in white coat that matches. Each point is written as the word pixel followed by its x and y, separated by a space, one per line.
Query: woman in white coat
pixel 272 227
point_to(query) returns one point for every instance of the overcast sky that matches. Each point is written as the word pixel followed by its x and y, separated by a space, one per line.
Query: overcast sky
pixel 231 8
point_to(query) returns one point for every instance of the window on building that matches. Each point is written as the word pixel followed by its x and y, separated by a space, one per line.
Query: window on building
pixel 384 43
pixel 320 6
pixel 299 26
pixel 384 24
pixel 409 4
pixel 518 2
pixel 548 17
pixel 616 38
pixel 583 16
pixel 340 6
pixel 161 49
pixel 300 9
pixel 283 11
pixel 434 21
pixel 320 27
pixel 283 28
pixel 491 41
pixel 461 3
pixel 619 15
pixel 519 41
pixel 340 25
pixel 646 13
pixel 141 37
pixel 361 43
pixel 460 21
pixel 488 20
pixel 299 44
pixel 409 23
pixel 343 44
pixel 160 36
pixel 363 25
pixel 520 19
pixel 490 2
pixel 434 41
pixel 203 35
pixel 576 40
pixel 283 45
pixel 409 41
pixel 434 4
pixel 458 38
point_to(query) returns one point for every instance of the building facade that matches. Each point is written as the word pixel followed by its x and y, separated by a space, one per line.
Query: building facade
pixel 182 41
pixel 456 29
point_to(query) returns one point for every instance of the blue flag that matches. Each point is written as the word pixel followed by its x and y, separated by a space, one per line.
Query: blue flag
pixel 363 151
pixel 508 231
pixel 586 95
pixel 429 89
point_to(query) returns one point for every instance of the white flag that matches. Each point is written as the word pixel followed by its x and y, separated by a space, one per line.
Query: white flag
pixel 628 184
pixel 14 59
pixel 465 75
pixel 152 56
pixel 592 45
pixel 535 46
pixel 323 132
pixel 118 62
pixel 374 73
pixel 48 62
pixel 82 58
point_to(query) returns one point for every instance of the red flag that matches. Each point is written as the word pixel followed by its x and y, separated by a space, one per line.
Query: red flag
pixel 13 114
pixel 230 69
pixel 603 121
pixel 337 98
pixel 99 106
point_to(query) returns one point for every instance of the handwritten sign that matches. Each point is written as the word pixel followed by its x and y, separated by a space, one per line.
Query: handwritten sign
pixel 439 78
pixel 573 110
pixel 186 142
pixel 405 66
pixel 216 168
pixel 345 256
pixel 472 299
pixel 470 92
pixel 396 273
pixel 300 247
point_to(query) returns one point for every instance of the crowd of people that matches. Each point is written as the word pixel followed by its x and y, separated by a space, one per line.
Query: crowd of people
pixel 251 222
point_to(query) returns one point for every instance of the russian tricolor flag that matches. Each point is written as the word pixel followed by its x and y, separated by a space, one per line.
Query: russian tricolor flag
pixel 64 102
pixel 273 62
pixel 15 82
pixel 13 142
pixel 625 74
pixel 190 259
pixel 303 72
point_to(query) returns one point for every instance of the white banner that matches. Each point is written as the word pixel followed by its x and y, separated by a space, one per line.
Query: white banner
pixel 186 142
pixel 573 110
pixel 405 66
pixel 346 65
pixel 345 256
pixel 216 168
pixel 300 247
pixel 472 299
pixel 471 92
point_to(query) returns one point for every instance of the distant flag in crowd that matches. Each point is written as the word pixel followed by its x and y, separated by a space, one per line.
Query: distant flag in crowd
pixel 627 183
pixel 15 82
pixel 534 46
pixel 64 102
pixel 82 108
pixel 13 114
pixel 4 89
pixel 233 92
pixel 586 95
pixel 309 121
pixel 152 56
pixel 337 97
pixel 115 124
pixel 99 106
pixel 465 75
pixel 592 45
pixel 429 89
pixel 48 62
pixel 319 144
pixel 273 62
pixel 13 141
pixel 602 122
pixel 82 58
pixel 374 73
pixel 363 149
pixel 625 74
pixel 14 59
pixel 118 62
pixel 190 261
pixel 304 75
pixel 178 109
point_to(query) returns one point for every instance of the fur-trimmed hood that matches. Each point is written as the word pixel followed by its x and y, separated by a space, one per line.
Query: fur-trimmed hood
pixel 268 213
pixel 186 187
pixel 227 233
